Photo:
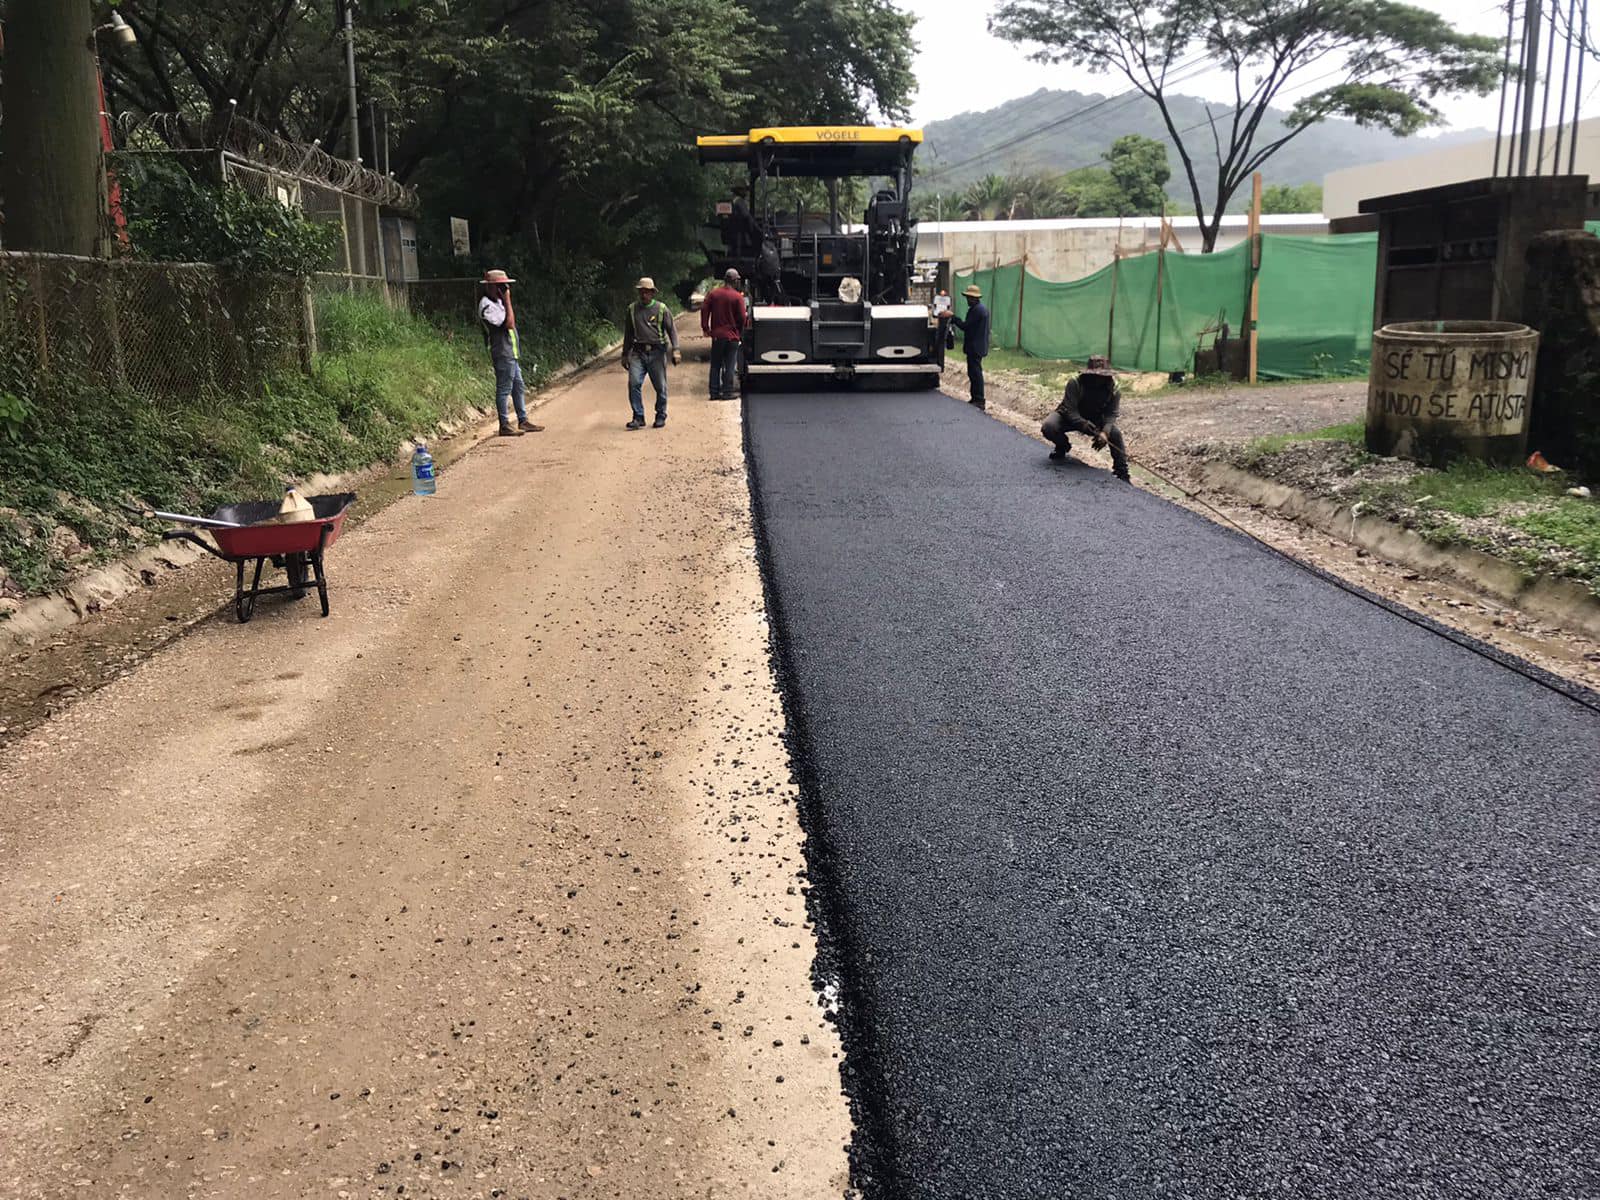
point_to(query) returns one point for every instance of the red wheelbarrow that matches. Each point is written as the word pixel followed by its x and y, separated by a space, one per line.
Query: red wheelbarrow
pixel 247 531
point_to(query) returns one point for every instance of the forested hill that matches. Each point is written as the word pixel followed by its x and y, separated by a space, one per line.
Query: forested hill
pixel 952 159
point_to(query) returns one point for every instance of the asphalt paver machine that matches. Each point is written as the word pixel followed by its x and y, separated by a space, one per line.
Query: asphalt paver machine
pixel 830 297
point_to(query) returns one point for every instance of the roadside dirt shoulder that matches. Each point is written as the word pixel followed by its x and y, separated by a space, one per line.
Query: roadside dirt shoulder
pixel 490 884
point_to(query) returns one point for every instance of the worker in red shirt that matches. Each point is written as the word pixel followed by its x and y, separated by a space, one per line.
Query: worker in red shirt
pixel 722 320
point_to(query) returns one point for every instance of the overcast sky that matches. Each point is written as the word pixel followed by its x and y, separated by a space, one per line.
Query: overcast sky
pixel 962 68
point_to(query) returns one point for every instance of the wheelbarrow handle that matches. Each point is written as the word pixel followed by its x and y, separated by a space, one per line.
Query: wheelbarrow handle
pixel 203 522
pixel 188 535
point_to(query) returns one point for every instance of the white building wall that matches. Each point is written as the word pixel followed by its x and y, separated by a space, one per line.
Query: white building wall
pixel 1072 249
pixel 1343 191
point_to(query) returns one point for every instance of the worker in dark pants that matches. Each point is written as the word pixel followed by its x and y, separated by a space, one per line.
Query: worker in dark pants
pixel 722 315
pixel 1090 406
pixel 975 340
pixel 742 227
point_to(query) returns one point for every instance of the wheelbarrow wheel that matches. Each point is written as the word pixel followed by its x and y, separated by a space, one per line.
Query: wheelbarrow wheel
pixel 244 603
pixel 298 568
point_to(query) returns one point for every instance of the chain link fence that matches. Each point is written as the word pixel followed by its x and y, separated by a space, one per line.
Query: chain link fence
pixel 451 301
pixel 158 329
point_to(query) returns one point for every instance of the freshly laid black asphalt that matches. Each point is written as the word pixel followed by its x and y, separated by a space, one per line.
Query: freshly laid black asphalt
pixel 1153 865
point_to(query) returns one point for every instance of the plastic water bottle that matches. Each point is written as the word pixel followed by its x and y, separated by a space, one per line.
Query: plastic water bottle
pixel 423 482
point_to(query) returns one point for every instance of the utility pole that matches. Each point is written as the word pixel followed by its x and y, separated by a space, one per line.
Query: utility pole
pixel 51 135
pixel 358 261
pixel 1530 71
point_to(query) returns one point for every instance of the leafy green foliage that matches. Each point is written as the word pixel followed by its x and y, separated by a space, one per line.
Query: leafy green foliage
pixel 1132 183
pixel 1390 61
pixel 13 412
pixel 174 218
pixel 1139 167
pixel 1282 198
pixel 562 130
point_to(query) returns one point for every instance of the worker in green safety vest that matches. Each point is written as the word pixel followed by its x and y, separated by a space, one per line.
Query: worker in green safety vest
pixel 648 331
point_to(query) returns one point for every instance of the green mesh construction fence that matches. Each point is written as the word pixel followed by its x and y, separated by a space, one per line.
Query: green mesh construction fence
pixel 1152 312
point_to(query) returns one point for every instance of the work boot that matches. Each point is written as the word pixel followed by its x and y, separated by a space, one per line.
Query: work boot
pixel 509 430
pixel 980 405
pixel 1058 456
pixel 636 423
pixel 661 423
pixel 528 426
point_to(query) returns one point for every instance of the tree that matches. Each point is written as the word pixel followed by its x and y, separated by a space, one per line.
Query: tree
pixel 1139 166
pixel 1095 192
pixel 1377 62
pixel 52 129
pixel 988 199
pixel 931 204
pixel 1282 198
pixel 561 129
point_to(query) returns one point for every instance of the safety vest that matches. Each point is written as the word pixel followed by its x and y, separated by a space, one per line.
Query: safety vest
pixel 657 315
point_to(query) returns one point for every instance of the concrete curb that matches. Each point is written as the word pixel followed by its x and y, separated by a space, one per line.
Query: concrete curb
pixel 1562 602
pixel 98 589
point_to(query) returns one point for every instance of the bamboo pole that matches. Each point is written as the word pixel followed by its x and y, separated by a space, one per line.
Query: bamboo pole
pixel 1022 290
pixel 1161 282
pixel 1255 270
pixel 1111 316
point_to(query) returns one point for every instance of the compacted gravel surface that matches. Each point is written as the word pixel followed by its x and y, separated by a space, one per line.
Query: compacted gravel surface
pixel 1154 865
pixel 489 886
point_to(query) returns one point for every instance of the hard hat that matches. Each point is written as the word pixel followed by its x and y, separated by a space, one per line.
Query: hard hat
pixel 497 276
pixel 973 292
pixel 645 284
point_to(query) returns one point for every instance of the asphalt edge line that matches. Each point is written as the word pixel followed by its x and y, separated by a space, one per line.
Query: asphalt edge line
pixel 871 1151
pixel 1576 692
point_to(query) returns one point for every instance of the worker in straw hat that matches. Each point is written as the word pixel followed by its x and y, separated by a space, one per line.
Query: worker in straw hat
pixel 975 339
pixel 647 332
pixel 499 323
pixel 1090 406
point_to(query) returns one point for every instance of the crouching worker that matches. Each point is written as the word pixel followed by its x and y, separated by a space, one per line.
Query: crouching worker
pixel 1090 406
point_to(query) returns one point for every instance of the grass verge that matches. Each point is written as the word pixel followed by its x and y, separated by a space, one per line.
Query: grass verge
pixel 1521 516
pixel 70 454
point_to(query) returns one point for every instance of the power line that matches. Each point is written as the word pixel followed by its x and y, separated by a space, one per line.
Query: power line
pixel 1187 69
pixel 1124 97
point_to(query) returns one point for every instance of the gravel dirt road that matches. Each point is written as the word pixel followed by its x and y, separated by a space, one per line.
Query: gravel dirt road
pixel 490 884
pixel 1157 865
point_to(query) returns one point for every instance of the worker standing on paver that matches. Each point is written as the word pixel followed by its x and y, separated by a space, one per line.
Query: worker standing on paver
pixel 1090 406
pixel 722 320
pixel 746 234
pixel 499 321
pixel 647 332
pixel 975 340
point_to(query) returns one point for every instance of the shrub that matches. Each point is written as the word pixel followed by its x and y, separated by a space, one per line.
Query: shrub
pixel 174 218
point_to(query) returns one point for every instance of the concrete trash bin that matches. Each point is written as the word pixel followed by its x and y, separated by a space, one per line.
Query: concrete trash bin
pixel 1442 390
